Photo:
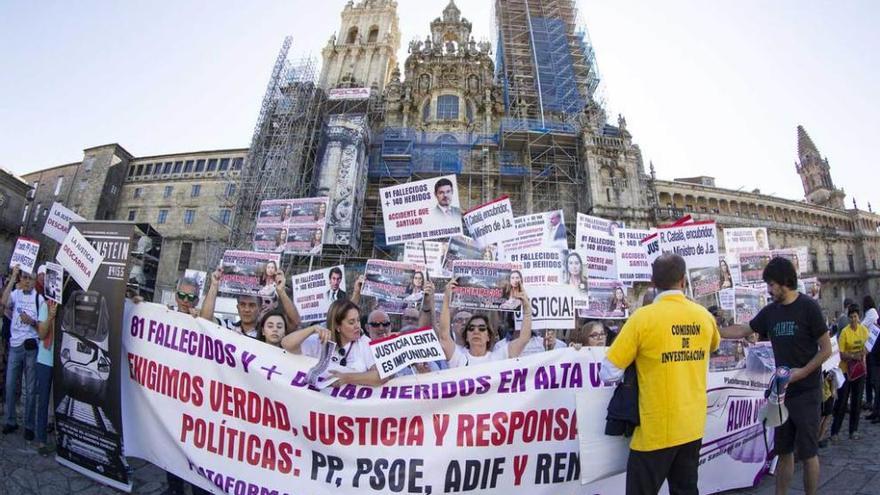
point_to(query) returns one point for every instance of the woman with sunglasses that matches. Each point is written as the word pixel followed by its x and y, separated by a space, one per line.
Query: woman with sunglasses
pixel 273 328
pixel 352 361
pixel 479 337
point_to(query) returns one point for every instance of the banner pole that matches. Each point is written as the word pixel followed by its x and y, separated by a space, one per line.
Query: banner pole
pixel 425 257
pixel 311 260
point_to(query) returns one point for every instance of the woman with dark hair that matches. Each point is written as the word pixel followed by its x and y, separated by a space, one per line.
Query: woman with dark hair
pixel 574 273
pixel 416 289
pixel 514 284
pixel 726 277
pixel 267 279
pixel 479 337
pixel 851 341
pixel 619 303
pixel 352 360
pixel 272 328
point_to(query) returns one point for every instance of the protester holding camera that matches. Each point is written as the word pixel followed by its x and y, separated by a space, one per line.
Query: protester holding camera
pixel 796 328
pixel 28 311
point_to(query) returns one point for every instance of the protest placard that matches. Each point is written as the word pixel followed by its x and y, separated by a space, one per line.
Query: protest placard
pixel 703 281
pixel 305 239
pixel 595 237
pixel 651 245
pixel 54 282
pixel 463 248
pixel 421 210
pixel 484 285
pixel 293 211
pixel 811 287
pixel 748 302
pixel 745 240
pixel 552 308
pixel 396 283
pixel 537 230
pixel 633 264
pixel 751 266
pixel 270 238
pixel 25 255
pixel 873 333
pixel 491 222
pixel 428 253
pixel 248 273
pixel 696 242
pixel 313 291
pixel 58 222
pixel 730 273
pixel 395 352
pixel 540 265
pixel 607 300
pixel 199 277
pixel 791 254
pixel 79 258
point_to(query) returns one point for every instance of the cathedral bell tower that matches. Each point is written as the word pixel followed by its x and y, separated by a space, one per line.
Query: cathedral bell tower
pixel 365 52
pixel 816 174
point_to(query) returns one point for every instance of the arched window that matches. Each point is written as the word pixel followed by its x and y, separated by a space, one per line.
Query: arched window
pixel 374 35
pixel 352 35
pixel 447 107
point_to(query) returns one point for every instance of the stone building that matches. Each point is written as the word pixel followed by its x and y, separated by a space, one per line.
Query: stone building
pixel 14 195
pixel 187 197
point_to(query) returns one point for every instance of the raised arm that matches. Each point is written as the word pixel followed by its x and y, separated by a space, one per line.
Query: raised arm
pixel 356 293
pixel 290 312
pixel 736 332
pixel 292 342
pixel 525 333
pixel 442 330
pixel 46 326
pixel 426 318
pixel 9 284
pixel 211 297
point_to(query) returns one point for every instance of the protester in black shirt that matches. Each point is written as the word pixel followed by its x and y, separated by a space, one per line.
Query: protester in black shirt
pixel 794 324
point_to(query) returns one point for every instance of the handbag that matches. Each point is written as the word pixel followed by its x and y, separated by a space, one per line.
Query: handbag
pixel 855 369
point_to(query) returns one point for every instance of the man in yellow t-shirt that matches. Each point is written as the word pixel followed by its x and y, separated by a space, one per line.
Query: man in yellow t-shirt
pixel 669 341
pixel 851 340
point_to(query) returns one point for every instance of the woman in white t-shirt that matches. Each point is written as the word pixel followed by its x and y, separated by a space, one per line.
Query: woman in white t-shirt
pixel 478 335
pixel 352 347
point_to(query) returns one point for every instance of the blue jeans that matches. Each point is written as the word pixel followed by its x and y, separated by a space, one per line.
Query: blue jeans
pixel 20 359
pixel 44 387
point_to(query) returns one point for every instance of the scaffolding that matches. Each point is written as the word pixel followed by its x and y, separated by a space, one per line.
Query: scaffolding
pixel 545 60
pixel 281 159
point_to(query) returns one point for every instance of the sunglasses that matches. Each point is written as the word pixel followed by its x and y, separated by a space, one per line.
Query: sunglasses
pixel 481 328
pixel 376 324
pixel 183 296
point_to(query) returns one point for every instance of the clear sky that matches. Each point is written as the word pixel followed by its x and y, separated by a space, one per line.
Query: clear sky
pixel 708 88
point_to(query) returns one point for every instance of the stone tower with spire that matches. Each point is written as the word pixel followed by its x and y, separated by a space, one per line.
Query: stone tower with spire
pixel 365 50
pixel 816 174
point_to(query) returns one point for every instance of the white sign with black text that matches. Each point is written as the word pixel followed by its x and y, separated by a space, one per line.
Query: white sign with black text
pixel 79 258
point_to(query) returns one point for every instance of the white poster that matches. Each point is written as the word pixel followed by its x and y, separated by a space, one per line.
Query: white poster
pixel 421 210
pixel 744 240
pixel 553 308
pixel 537 230
pixel 651 245
pixel 25 255
pixel 314 291
pixel 491 223
pixel 533 425
pixel 397 351
pixel 53 287
pixel 873 332
pixel 595 237
pixel 697 243
pixel 633 264
pixel 540 266
pixel 58 222
pixel 428 253
pixel 79 258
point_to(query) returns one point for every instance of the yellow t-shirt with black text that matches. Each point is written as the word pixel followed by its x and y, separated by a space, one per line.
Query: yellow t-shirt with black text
pixel 669 341
pixel 851 341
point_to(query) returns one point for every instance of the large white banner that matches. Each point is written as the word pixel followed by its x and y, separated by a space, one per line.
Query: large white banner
pixel 234 415
pixel 491 222
pixel 313 291
pixel 58 222
pixel 633 264
pixel 744 240
pixel 595 237
pixel 420 210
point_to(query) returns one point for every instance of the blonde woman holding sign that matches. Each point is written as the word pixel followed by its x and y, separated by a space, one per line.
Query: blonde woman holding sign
pixel 478 335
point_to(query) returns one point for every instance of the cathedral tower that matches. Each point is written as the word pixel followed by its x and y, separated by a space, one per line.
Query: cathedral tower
pixel 365 50
pixel 816 174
